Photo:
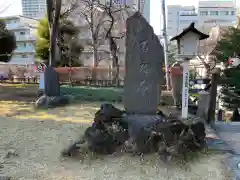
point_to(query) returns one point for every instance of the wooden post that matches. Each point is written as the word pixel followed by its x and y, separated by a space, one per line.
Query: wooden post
pixel 213 96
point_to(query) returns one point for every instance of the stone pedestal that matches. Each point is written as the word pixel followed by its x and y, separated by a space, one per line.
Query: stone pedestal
pixel 203 104
pixel 137 122
pixel 139 128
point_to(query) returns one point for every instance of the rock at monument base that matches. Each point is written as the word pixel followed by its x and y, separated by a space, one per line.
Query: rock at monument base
pixel 51 82
pixel 139 129
pixel 40 93
pixel 113 130
pixel 51 102
pixel 5 178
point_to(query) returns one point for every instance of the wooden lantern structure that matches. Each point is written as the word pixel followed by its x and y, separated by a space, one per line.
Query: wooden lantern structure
pixel 188 43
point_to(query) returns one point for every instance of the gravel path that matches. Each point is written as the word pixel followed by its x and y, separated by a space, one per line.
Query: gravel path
pixel 30 150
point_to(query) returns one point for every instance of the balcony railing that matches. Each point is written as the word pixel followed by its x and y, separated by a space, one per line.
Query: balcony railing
pixel 24 49
pixel 25 38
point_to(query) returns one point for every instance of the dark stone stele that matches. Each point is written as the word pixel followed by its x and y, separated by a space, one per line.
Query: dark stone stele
pixel 143 78
pixel 144 57
pixel 51 82
pixel 51 96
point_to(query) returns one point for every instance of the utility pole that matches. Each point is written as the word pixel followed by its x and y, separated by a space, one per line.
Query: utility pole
pixel 165 43
pixel 140 4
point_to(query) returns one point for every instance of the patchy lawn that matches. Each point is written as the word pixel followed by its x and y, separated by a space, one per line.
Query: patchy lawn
pixel 30 150
pixel 32 140
pixel 81 112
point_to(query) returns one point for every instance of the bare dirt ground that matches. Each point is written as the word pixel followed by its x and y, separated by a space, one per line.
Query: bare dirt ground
pixel 30 150
pixel 31 143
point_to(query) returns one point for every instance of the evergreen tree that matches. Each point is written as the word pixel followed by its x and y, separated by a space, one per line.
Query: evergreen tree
pixel 227 47
pixel 68 43
pixel 7 42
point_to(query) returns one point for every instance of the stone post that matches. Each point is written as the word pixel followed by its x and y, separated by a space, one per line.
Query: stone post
pixel 213 95
pixel 203 104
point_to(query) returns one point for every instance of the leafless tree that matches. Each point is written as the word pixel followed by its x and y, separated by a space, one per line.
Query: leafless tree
pixel 115 14
pixel 207 48
pixel 4 7
pixel 99 20
pixel 88 11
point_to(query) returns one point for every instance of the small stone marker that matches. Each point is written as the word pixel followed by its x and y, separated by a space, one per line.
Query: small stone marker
pixel 144 57
pixel 41 81
pixel 51 82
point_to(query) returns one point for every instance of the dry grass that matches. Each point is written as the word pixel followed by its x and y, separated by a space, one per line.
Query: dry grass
pixel 38 145
pixel 82 112
pixel 38 137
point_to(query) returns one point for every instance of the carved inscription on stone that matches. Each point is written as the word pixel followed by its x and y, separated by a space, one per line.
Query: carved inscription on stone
pixel 143 87
pixel 144 46
pixel 144 68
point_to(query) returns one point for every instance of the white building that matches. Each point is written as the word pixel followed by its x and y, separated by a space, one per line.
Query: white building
pixel 180 17
pixel 213 13
pixel 134 6
pixel 25 32
pixel 209 14
pixel 34 8
pixel 85 35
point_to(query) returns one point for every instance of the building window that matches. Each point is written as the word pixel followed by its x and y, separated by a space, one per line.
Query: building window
pixel 203 13
pixel 184 21
pixel 213 13
pixel 24 56
pixel 22 33
pixel 224 13
pixel 232 13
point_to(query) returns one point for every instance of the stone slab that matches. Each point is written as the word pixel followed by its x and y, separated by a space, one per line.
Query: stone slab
pixel 137 122
pixel 143 67
pixel 51 82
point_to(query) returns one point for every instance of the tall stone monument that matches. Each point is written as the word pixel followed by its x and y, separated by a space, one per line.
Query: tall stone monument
pixel 143 78
pixel 144 57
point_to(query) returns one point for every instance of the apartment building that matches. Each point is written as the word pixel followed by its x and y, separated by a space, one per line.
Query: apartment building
pixel 208 15
pixel 180 17
pixel 34 8
pixel 143 7
pixel 85 35
pixel 216 13
pixel 24 29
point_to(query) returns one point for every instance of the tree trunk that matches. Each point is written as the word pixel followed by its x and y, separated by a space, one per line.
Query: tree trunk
pixel 95 61
pixel 52 85
pixel 115 63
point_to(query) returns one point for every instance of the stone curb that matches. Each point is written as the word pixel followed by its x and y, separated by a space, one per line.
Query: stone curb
pixel 233 159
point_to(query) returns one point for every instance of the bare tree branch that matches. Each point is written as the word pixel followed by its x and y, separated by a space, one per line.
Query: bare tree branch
pixel 4 8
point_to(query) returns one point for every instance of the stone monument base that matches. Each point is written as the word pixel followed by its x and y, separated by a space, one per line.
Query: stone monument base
pixel 52 101
pixel 140 129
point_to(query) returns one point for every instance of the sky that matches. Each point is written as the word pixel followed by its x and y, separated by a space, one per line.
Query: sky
pixel 16 9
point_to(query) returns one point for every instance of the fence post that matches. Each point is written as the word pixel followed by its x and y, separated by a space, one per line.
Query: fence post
pixel 213 96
